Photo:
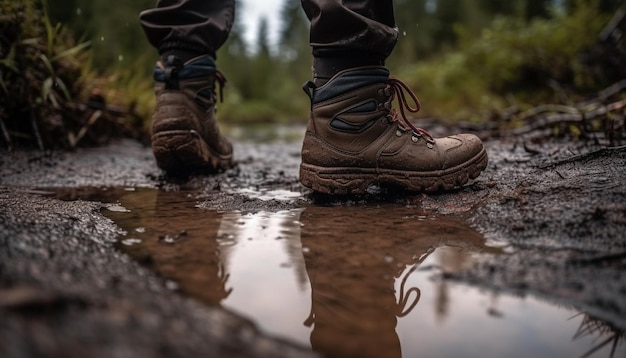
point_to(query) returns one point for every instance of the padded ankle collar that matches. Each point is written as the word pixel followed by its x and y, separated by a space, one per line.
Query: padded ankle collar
pixel 173 70
pixel 346 81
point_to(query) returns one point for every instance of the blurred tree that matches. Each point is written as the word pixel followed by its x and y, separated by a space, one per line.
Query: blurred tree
pixel 235 50
pixel 111 25
pixel 448 14
pixel 538 8
pixel 605 6
pixel 293 61
pixel 293 47
pixel 263 42
pixel 500 7
pixel 428 27
pixel 263 66
pixel 416 23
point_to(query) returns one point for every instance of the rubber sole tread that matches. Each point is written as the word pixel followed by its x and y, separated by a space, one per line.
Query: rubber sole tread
pixel 345 181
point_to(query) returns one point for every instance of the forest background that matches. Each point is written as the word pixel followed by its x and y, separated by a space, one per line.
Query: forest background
pixel 466 60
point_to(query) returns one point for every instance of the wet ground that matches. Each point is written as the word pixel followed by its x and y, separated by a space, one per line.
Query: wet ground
pixel 102 255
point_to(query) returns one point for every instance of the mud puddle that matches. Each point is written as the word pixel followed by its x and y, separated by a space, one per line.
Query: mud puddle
pixel 364 280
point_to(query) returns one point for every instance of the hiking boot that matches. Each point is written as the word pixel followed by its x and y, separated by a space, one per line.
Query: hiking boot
pixel 185 135
pixel 355 139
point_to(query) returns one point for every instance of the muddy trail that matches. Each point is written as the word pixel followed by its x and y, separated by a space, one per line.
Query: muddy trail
pixel 101 255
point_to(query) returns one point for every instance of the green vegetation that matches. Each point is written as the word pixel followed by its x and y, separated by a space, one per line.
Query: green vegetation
pixel 49 96
pixel 465 60
pixel 512 62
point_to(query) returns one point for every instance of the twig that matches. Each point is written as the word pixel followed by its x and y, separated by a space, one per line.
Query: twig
pixel 596 259
pixel 556 86
pixel 612 90
pixel 81 133
pixel 548 121
pixel 549 108
pixel 5 133
pixel 33 123
pixel 600 346
pixel 530 150
pixel 579 157
pixel 573 117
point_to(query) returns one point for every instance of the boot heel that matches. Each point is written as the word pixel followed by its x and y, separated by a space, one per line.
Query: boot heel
pixel 185 149
pixel 327 181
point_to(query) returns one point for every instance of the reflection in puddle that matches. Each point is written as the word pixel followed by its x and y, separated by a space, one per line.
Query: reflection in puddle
pixel 346 281
pixel 270 194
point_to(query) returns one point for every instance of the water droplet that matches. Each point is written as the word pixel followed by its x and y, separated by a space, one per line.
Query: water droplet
pixel 389 259
pixel 120 58
pixel 403 33
pixel 131 242
pixel 226 240
pixel 101 38
pixel 168 239
pixel 306 250
pixel 79 11
pixel 117 208
pixel 171 285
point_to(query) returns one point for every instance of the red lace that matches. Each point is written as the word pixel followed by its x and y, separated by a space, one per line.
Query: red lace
pixel 221 82
pixel 400 90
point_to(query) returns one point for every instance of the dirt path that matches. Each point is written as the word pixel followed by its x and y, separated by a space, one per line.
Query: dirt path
pixel 64 288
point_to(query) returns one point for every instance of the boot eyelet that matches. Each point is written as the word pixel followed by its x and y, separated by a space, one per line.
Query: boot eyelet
pixel 399 133
pixel 414 139
pixel 430 145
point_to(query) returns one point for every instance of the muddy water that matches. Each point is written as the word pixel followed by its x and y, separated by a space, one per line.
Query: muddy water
pixel 344 281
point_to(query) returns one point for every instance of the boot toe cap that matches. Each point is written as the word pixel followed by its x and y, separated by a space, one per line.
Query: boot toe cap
pixel 461 148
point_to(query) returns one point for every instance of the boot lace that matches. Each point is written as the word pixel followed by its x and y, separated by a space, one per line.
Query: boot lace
pixel 220 79
pixel 404 307
pixel 400 90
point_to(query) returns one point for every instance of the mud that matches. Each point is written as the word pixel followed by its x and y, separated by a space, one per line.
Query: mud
pixel 556 211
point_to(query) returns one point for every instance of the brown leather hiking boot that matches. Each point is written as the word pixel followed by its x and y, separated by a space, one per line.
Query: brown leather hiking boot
pixel 185 135
pixel 355 139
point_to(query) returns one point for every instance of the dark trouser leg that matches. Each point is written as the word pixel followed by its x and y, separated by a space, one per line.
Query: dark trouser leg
pixel 195 26
pixel 187 34
pixel 350 33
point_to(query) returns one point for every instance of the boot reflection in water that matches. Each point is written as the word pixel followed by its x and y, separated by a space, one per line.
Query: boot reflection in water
pixel 354 268
pixel 181 244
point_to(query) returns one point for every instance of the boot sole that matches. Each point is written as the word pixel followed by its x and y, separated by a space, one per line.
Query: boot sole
pixel 181 151
pixel 347 180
